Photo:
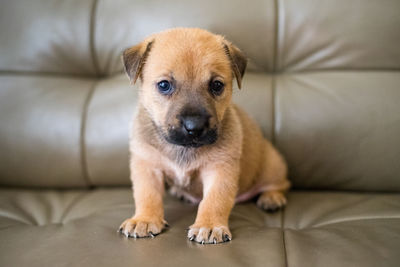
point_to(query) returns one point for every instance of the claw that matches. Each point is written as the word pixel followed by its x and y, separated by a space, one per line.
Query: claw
pixel 135 235
pixel 120 230
pixel 202 242
pixel 215 241
pixel 227 238
pixel 151 234
pixel 192 237
pixel 272 209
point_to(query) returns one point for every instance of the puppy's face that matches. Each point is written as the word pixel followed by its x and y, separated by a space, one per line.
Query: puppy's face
pixel 186 79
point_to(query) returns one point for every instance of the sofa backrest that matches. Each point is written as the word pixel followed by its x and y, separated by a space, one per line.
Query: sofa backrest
pixel 333 86
pixel 86 37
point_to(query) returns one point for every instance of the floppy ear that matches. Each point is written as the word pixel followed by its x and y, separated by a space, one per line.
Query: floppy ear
pixel 134 59
pixel 238 61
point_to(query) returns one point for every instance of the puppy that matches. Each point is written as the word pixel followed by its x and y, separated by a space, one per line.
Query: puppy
pixel 189 135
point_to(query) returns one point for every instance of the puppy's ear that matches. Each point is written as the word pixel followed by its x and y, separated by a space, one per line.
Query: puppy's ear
pixel 238 61
pixel 134 59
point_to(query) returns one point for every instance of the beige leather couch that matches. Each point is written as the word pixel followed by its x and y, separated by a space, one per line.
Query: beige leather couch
pixel 323 82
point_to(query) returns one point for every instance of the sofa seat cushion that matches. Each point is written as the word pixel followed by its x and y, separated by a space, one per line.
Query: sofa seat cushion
pixel 78 228
pixel 342 229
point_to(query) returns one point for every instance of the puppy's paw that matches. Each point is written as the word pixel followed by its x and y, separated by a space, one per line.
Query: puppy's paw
pixel 137 227
pixel 206 234
pixel 271 201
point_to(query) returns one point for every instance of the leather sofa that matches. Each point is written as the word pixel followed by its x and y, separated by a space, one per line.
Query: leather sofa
pixel 323 82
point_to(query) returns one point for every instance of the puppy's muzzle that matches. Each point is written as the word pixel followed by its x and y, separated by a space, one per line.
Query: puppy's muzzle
pixel 195 125
pixel 193 131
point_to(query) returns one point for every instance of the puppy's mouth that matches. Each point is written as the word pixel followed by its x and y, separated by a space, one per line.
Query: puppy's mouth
pixel 182 138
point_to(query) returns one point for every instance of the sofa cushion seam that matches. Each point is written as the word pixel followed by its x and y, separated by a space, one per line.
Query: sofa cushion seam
pixel 275 43
pixel 283 237
pixel 84 118
pixel 273 110
pixel 92 47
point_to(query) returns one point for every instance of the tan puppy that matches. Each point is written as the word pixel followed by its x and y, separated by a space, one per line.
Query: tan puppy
pixel 187 133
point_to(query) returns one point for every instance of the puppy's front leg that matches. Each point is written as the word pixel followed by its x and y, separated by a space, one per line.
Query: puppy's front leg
pixel 220 185
pixel 148 188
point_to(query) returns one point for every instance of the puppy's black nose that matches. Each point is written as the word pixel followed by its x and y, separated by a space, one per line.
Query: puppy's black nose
pixel 195 125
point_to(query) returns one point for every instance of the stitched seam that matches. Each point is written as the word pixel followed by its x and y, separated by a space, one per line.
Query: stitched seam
pixel 274 69
pixel 275 44
pixel 84 163
pixel 45 73
pixel 283 237
pixel 85 76
pixel 93 52
pixel 273 109
pixel 93 55
pixel 341 221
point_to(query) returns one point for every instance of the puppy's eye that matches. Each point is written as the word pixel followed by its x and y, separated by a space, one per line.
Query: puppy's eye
pixel 216 87
pixel 164 87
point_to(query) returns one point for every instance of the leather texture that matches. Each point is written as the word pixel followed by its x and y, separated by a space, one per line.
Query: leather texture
pixel 332 117
pixel 109 116
pixel 340 129
pixel 337 35
pixel 73 128
pixel 40 134
pixel 79 228
pixel 137 19
pixel 46 36
pixel 323 83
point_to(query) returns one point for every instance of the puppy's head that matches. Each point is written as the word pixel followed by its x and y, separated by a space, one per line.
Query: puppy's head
pixel 186 79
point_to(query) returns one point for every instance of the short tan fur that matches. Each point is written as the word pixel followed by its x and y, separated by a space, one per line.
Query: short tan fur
pixel 236 164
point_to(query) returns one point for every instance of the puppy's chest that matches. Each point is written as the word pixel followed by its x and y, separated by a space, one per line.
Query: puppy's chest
pixel 182 178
